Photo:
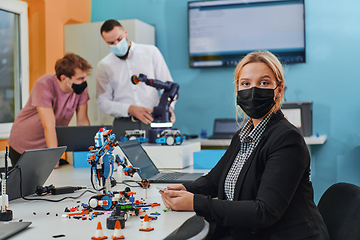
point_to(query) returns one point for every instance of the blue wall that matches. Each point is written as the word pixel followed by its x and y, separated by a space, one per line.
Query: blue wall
pixel 329 78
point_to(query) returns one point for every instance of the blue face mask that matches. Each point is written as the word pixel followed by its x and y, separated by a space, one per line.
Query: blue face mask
pixel 121 48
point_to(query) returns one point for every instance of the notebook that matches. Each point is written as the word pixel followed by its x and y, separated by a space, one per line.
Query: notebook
pixel 77 138
pixel 225 128
pixel 36 166
pixel 138 157
pixel 7 229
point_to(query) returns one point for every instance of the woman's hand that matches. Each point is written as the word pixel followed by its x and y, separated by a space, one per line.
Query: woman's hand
pixel 178 200
pixel 178 187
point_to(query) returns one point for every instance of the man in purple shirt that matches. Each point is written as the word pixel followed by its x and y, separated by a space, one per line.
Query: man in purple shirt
pixel 52 102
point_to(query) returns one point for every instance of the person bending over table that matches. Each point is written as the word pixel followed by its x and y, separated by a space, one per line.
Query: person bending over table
pixel 52 102
pixel 260 188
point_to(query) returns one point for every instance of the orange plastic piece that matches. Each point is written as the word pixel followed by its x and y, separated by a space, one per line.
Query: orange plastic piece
pixel 99 234
pixel 117 231
pixel 79 213
pixel 146 227
pixel 155 204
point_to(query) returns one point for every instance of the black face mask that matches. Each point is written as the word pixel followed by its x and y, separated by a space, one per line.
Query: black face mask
pixel 79 88
pixel 256 102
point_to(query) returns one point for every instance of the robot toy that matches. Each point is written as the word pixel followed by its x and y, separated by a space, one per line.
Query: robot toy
pixel 161 128
pixel 135 134
pixel 102 160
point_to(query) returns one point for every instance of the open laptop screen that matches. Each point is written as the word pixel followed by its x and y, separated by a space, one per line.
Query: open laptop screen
pixel 226 126
pixel 77 138
pixel 35 166
pixel 139 158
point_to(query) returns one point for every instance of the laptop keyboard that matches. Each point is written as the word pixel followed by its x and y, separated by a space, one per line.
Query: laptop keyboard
pixel 170 176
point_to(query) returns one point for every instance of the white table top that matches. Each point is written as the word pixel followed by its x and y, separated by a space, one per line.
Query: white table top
pixel 312 140
pixel 44 225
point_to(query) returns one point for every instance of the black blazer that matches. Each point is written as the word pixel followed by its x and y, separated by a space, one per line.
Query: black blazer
pixel 273 196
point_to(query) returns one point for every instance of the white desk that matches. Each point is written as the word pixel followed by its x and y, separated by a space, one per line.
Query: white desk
pixel 312 140
pixel 172 157
pixel 45 226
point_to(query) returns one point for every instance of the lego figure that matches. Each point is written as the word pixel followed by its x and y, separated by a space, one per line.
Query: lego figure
pixel 102 159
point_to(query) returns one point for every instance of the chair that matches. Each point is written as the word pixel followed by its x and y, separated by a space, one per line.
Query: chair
pixel 339 206
pixel 195 228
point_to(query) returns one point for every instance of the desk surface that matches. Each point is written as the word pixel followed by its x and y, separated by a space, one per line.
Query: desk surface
pixel 312 140
pixel 44 225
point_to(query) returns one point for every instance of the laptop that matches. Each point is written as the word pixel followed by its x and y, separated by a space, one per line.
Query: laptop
pixel 7 229
pixel 225 128
pixel 35 166
pixel 77 138
pixel 138 157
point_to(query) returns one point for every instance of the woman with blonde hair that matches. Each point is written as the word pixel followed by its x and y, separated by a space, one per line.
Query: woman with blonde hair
pixel 260 188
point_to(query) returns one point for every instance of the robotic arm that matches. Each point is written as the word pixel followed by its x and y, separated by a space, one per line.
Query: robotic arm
pixel 161 112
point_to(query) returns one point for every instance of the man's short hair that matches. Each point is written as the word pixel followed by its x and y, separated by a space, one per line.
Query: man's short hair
pixel 66 65
pixel 109 25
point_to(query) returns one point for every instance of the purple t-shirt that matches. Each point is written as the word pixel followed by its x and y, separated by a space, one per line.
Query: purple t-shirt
pixel 27 131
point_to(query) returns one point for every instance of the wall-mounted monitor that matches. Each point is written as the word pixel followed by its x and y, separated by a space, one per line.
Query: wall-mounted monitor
pixel 223 32
pixel 300 114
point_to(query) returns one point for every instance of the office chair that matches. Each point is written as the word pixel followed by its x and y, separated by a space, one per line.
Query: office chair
pixel 195 228
pixel 339 206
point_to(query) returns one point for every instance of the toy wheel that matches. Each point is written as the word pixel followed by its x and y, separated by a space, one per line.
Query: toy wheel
pixel 170 140
pixel 108 206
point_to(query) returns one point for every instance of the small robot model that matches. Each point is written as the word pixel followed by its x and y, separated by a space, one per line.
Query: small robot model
pixel 137 134
pixel 170 137
pixel 102 160
pixel 121 202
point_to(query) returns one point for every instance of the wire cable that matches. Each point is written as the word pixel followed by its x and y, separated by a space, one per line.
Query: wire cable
pixel 44 199
pixel 126 182
pixel 92 181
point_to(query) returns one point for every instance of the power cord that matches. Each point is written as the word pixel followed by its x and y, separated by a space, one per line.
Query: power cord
pixel 44 199
pixel 112 180
pixel 126 182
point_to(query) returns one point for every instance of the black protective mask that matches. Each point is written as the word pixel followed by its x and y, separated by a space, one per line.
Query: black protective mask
pixel 79 88
pixel 256 102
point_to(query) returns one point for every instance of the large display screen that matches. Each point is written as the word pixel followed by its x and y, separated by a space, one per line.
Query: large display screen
pixel 222 32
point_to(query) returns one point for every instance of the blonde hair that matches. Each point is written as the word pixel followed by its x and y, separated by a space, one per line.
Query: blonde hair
pixel 272 62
